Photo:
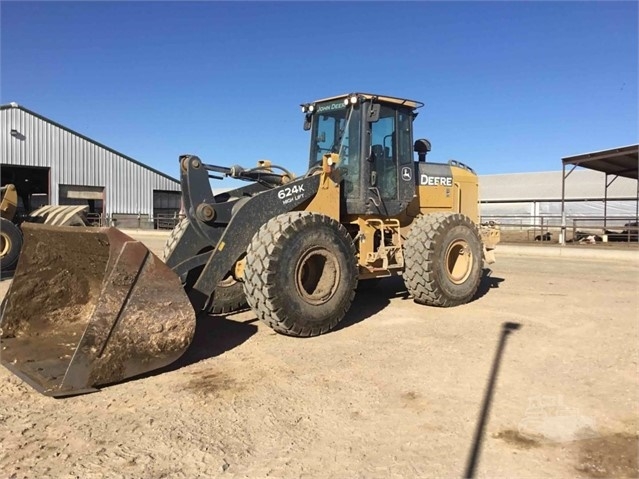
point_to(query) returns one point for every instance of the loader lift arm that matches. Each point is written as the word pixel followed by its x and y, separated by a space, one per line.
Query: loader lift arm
pixel 219 231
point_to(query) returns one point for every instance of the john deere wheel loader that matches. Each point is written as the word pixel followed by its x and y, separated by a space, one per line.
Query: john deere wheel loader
pixel 293 247
pixel 10 234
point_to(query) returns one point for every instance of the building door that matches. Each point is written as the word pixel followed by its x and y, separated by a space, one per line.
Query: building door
pixel 166 208
pixel 92 196
pixel 32 185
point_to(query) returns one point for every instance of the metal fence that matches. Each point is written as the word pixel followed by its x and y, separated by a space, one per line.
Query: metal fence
pixel 578 228
pixel 95 219
pixel 518 227
pixel 167 222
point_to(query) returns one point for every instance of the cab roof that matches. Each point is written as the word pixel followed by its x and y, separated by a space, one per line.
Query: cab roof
pixel 384 98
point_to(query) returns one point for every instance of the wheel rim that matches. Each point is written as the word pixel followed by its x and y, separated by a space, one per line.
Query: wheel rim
pixel 5 244
pixel 317 275
pixel 227 282
pixel 459 261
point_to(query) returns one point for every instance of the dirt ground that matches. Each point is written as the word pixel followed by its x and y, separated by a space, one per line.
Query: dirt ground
pixel 396 392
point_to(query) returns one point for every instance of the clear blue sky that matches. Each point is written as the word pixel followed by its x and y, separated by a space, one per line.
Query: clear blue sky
pixel 508 86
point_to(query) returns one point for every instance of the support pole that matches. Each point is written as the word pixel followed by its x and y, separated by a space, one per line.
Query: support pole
pixel 605 202
pixel 608 183
pixel 562 235
pixel 564 175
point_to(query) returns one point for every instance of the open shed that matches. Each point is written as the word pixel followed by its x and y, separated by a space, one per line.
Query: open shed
pixel 615 163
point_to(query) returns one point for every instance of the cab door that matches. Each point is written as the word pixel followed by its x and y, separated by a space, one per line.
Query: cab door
pixel 391 183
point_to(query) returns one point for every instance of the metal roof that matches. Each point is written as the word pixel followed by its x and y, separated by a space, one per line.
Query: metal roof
pixel 545 186
pixel 80 135
pixel 622 161
pixel 384 98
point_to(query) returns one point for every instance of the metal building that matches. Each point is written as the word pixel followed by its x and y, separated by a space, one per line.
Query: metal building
pixel 536 194
pixel 52 164
pixel 602 198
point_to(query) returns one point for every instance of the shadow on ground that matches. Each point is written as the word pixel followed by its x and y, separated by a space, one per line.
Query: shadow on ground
pixel 371 297
pixel 374 295
pixel 486 283
pixel 214 335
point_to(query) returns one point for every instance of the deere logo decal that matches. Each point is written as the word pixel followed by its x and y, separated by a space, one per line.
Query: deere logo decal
pixel 407 173
pixel 330 107
pixel 426 180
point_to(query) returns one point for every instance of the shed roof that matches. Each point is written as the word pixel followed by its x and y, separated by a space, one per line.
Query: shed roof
pixel 622 161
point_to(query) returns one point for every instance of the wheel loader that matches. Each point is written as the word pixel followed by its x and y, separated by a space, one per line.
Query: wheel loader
pixel 10 234
pixel 88 312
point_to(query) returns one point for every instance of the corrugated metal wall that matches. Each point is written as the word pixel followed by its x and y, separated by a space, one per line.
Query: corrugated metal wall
pixel 75 160
pixel 539 194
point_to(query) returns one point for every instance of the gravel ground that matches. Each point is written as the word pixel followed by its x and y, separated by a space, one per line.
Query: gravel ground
pixel 396 391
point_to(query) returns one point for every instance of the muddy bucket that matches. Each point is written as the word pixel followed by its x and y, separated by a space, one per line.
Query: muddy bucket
pixel 89 307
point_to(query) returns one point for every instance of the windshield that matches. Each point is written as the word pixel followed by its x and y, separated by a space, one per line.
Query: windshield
pixel 336 129
pixel 327 134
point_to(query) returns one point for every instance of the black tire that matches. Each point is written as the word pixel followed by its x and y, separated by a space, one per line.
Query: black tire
pixel 443 254
pixel 174 237
pixel 229 293
pixel 301 273
pixel 229 296
pixel 10 244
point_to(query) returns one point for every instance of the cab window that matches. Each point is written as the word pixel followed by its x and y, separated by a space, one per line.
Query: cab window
pixel 384 154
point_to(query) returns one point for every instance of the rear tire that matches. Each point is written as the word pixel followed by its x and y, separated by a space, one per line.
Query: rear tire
pixel 10 244
pixel 174 237
pixel 229 293
pixel 229 296
pixel 301 273
pixel 443 255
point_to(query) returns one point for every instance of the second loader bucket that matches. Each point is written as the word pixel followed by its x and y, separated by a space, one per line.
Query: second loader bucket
pixel 89 307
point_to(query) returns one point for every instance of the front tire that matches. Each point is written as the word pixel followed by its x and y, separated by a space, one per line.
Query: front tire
pixel 301 273
pixel 10 244
pixel 443 255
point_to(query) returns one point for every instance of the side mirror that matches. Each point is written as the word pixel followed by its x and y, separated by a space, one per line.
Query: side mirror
pixel 373 113
pixel 307 122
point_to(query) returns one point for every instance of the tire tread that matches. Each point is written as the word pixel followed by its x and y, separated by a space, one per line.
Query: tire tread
pixel 259 286
pixel 421 257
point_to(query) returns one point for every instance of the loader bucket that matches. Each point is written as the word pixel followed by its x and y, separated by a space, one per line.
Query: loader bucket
pixel 89 307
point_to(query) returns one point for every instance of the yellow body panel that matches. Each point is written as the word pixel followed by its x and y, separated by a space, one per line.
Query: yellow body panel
pixel 327 199
pixel 378 257
pixel 461 197
pixel 9 202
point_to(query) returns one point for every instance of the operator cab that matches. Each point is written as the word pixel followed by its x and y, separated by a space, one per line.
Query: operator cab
pixel 373 136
